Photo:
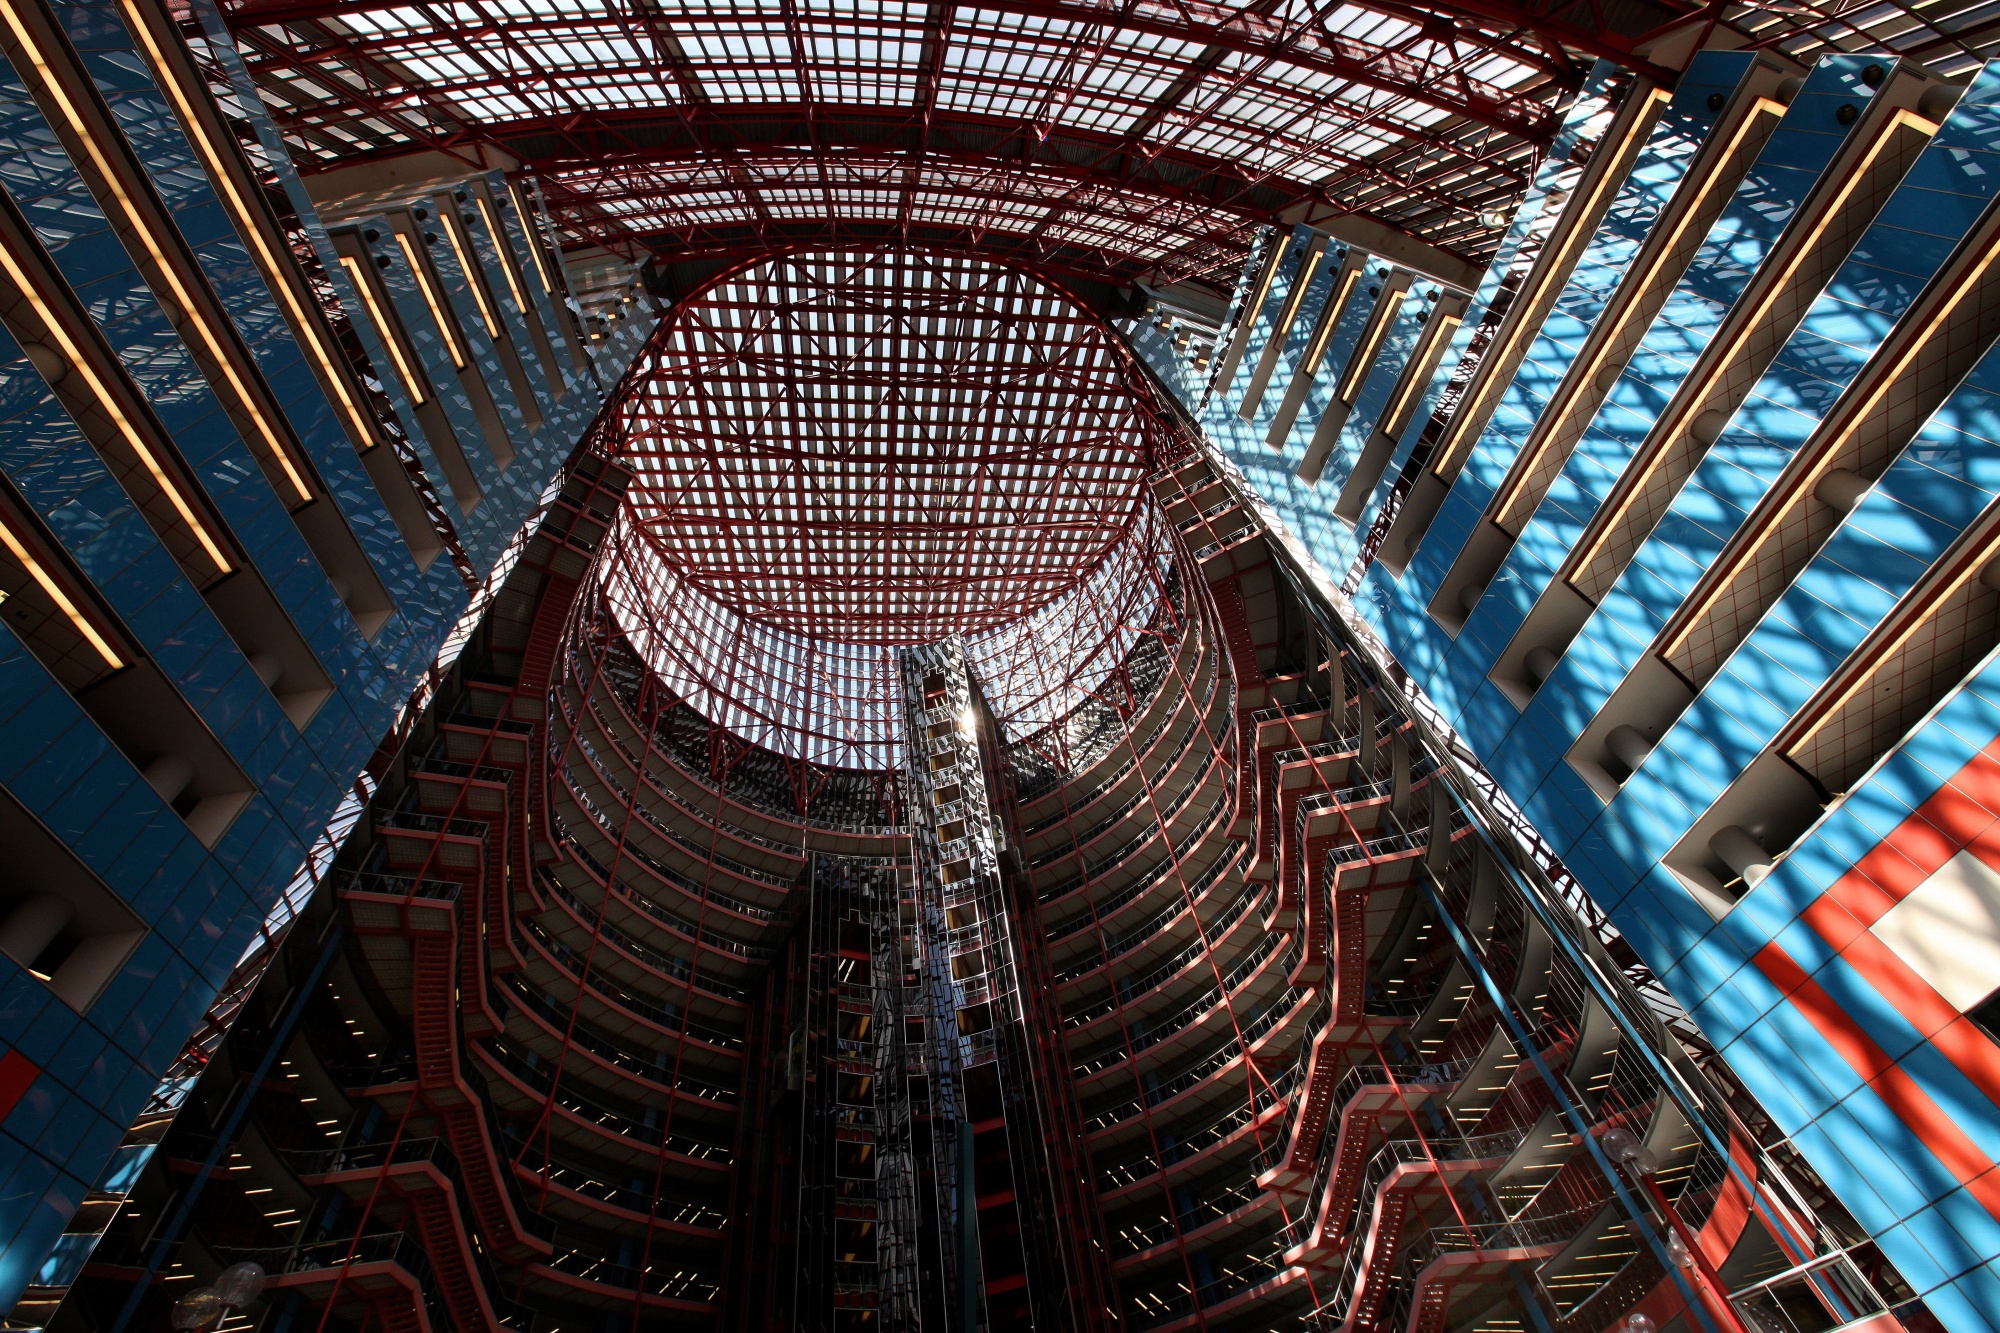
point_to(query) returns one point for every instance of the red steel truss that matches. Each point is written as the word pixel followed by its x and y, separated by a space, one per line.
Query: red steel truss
pixel 1105 138
pixel 833 453
pixel 1081 135
pixel 885 447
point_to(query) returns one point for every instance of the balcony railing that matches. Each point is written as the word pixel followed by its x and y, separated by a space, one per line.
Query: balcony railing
pixel 1133 1237
pixel 1202 1068
pixel 1120 945
pixel 1196 887
pixel 488 722
pixel 1348 853
pixel 1219 738
pixel 593 1108
pixel 438 766
pixel 389 1247
pixel 1113 860
pixel 1207 1002
pixel 418 822
pixel 396 886
pixel 1391 1155
pixel 1198 1140
pixel 614 1052
pixel 677 969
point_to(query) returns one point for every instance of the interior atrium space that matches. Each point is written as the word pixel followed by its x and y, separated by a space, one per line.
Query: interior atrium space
pixel 819 666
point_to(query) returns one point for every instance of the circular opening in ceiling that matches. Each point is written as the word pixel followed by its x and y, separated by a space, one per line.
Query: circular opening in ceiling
pixel 836 454
pixel 884 447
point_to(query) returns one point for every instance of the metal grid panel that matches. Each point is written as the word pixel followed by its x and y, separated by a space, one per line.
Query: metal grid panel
pixel 1030 127
pixel 1024 127
pixel 833 454
pixel 1954 38
pixel 885 447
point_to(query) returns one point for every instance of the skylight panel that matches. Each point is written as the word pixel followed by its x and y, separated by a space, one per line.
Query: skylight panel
pixel 1369 26
pixel 498 104
pixel 1039 26
pixel 538 9
pixel 1500 72
pixel 387 21
pixel 1275 114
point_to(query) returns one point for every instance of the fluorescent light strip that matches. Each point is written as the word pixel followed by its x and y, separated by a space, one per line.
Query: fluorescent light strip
pixel 1555 261
pixel 1364 360
pixel 226 182
pixel 108 403
pixel 194 312
pixel 461 246
pixel 1753 323
pixel 1421 372
pixel 1315 252
pixel 534 245
pixel 59 597
pixel 500 246
pixel 1634 284
pixel 423 277
pixel 1255 305
pixel 1334 314
pixel 1883 385
pixel 1882 656
pixel 383 328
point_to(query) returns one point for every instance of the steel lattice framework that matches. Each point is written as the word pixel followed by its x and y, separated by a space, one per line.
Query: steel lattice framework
pixel 885 447
pixel 833 453
pixel 1098 137
pixel 1103 138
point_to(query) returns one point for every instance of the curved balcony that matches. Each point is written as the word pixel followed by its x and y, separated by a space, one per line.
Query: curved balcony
pixel 1160 1035
pixel 605 824
pixel 645 908
pixel 1104 869
pixel 585 1189
pixel 843 802
pixel 675 817
pixel 1162 926
pixel 714 847
pixel 1370 1097
pixel 1239 1127
pixel 1191 716
pixel 1099 913
pixel 537 945
pixel 424 1173
pixel 385 1273
pixel 1164 796
pixel 1073 748
pixel 1207 1072
pixel 1215 1211
pixel 1242 1274
pixel 603 1058
pixel 634 1130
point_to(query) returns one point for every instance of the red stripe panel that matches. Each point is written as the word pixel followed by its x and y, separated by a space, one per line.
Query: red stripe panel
pixel 1901 1093
pixel 17 1075
pixel 1953 818
pixel 1959 815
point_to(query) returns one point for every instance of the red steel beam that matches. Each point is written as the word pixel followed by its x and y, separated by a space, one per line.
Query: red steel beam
pixel 1209 23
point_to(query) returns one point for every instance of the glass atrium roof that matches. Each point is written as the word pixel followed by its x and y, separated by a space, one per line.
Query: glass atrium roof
pixel 1080 135
pixel 836 453
pixel 885 446
pixel 843 456
pixel 1106 138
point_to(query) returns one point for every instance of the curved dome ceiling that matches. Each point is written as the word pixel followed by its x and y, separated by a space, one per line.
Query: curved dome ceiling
pixel 884 446
pixel 836 453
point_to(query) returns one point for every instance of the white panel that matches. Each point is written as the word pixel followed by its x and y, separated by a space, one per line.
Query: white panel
pixel 1948 930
